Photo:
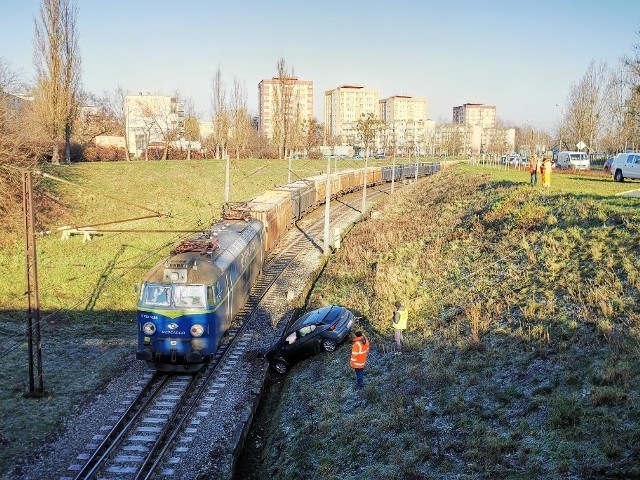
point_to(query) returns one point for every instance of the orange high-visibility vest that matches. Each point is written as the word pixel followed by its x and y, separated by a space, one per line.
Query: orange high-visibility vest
pixel 359 352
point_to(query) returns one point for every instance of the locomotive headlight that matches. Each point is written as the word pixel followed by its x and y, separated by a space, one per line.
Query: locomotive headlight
pixel 197 330
pixel 149 328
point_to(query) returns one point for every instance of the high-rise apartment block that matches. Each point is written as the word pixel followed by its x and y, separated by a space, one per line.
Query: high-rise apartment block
pixel 407 127
pixel 403 108
pixel 343 107
pixel 472 114
pixel 283 97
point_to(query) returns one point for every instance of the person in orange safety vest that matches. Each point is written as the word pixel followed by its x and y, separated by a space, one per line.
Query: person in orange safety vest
pixel 359 352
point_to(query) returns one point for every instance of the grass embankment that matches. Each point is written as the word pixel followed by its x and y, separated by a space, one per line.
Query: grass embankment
pixel 522 356
pixel 86 289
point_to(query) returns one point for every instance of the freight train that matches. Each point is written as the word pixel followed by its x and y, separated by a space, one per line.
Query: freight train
pixel 188 300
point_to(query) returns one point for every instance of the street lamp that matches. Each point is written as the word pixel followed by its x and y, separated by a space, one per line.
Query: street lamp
pixel 560 127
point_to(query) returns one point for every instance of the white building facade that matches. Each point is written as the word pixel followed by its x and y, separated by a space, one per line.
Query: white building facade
pixel 343 107
pixel 471 114
pixel 152 119
pixel 407 128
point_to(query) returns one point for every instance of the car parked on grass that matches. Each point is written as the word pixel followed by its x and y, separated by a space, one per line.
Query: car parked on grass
pixel 625 165
pixel 607 165
pixel 573 160
pixel 318 330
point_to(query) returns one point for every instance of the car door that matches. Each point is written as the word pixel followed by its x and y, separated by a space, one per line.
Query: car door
pixel 627 166
pixel 303 344
pixel 634 168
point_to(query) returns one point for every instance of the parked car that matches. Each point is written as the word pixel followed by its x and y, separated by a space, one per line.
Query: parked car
pixel 607 165
pixel 517 161
pixel 573 160
pixel 315 331
pixel 625 165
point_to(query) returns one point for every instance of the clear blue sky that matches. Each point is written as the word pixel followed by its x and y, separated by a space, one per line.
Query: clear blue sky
pixel 520 56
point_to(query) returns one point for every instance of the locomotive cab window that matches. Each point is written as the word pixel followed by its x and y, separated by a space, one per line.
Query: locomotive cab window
pixel 210 297
pixel 189 296
pixel 157 295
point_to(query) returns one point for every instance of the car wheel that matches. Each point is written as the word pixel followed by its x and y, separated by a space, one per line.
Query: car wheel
pixel 329 345
pixel 280 366
pixel 618 176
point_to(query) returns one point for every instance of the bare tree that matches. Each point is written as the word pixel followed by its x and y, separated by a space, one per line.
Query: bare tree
pixel 286 121
pixel 314 133
pixel 221 116
pixel 17 150
pixel 116 107
pixel 93 119
pixel 632 111
pixel 191 126
pixel 586 106
pixel 368 127
pixel 496 142
pixel 240 118
pixel 57 63
pixel 157 118
pixel 632 63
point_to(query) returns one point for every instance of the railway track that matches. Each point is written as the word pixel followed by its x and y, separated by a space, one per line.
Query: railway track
pixel 159 422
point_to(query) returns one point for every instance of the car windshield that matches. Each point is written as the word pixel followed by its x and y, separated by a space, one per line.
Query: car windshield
pixel 174 296
pixel 577 156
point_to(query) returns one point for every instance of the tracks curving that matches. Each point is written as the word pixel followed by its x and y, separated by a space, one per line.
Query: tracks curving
pixel 157 425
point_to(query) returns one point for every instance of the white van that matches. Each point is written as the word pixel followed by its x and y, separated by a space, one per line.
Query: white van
pixel 573 160
pixel 625 165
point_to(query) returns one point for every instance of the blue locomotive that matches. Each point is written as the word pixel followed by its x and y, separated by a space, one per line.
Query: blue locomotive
pixel 187 301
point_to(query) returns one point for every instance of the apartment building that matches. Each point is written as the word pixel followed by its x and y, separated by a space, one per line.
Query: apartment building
pixel 277 94
pixel 471 114
pixel 457 139
pixel 408 130
pixel 152 119
pixel 343 107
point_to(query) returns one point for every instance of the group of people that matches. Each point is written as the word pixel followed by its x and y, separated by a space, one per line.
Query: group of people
pixel 540 165
pixel 360 347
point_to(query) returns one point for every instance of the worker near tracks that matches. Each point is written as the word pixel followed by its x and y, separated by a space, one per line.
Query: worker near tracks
pixel 545 169
pixel 400 317
pixel 534 167
pixel 359 352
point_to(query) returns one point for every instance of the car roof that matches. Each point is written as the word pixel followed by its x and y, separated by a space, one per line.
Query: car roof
pixel 326 315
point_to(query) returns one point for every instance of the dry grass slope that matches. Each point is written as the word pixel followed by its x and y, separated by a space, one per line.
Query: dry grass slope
pixel 522 356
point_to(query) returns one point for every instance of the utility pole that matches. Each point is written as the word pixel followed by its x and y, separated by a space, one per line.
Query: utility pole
pixel 226 179
pixel 393 172
pixel 33 302
pixel 327 208
pixel 364 184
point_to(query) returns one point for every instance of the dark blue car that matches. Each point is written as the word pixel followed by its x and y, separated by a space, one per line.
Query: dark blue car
pixel 315 331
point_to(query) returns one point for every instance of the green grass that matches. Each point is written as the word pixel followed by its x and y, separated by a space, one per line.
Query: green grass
pixel 524 310
pixel 523 350
pixel 86 290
